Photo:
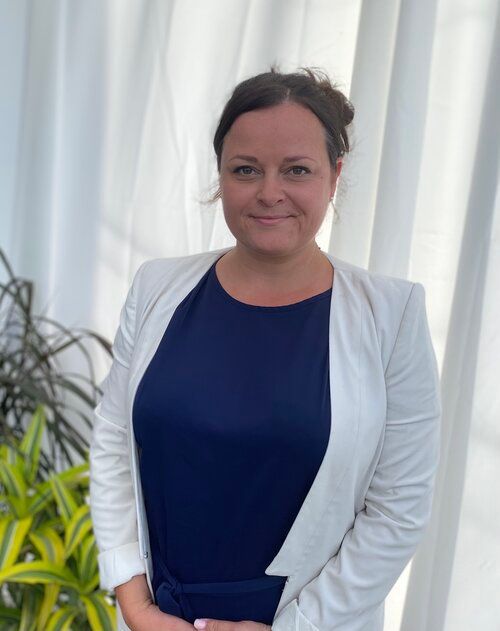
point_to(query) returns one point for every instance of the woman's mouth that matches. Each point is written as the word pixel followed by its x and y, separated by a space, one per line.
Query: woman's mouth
pixel 270 221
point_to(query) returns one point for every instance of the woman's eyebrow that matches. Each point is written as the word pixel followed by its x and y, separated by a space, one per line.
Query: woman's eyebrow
pixel 288 159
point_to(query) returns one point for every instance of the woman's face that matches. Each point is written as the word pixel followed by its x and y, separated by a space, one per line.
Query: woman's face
pixel 274 163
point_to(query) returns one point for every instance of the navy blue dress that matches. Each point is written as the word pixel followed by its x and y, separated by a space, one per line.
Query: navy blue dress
pixel 232 420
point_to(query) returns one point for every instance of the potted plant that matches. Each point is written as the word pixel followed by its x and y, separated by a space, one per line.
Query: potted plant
pixel 48 556
pixel 30 374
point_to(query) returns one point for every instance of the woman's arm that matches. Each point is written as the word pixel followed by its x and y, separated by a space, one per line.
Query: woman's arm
pixel 112 500
pixel 354 583
pixel 139 611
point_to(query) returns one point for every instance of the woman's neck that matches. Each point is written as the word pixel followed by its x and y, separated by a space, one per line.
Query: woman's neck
pixel 267 278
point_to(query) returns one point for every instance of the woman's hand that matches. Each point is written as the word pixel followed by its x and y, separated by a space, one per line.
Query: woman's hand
pixel 152 618
pixel 139 611
pixel 226 625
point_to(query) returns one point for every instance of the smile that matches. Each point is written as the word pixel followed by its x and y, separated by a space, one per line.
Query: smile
pixel 270 221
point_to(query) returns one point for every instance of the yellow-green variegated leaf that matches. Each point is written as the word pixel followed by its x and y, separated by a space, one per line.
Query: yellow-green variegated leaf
pixel 18 506
pixel 78 526
pixel 91 585
pixel 10 454
pixel 61 619
pixel 51 522
pixel 101 615
pixel 49 545
pixel 30 445
pixel 43 495
pixel 84 481
pixel 29 610
pixel 9 617
pixel 64 498
pixel 78 474
pixel 12 479
pixel 38 572
pixel 51 592
pixel 87 562
pixel 12 535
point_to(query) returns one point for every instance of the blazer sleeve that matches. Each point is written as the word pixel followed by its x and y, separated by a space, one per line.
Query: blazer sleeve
pixel 112 501
pixel 353 584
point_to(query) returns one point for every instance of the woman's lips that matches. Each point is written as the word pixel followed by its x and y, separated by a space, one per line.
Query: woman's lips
pixel 270 222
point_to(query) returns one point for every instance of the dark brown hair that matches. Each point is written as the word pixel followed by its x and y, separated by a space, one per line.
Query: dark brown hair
pixel 313 90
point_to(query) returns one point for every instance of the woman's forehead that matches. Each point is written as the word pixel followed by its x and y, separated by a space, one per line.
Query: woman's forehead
pixel 291 131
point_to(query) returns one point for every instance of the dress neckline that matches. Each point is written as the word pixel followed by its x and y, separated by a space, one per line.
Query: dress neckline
pixel 278 308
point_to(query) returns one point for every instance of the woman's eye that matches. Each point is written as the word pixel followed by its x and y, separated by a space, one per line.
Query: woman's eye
pixel 301 168
pixel 238 170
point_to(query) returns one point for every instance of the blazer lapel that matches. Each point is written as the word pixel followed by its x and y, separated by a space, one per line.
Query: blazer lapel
pixel 345 382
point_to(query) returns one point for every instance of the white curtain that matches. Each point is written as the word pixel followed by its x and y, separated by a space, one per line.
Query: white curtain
pixel 107 112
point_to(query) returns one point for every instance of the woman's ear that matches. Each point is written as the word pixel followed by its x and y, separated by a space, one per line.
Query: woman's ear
pixel 335 176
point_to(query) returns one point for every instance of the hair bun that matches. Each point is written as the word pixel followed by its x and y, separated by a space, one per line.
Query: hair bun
pixel 347 111
pixel 338 98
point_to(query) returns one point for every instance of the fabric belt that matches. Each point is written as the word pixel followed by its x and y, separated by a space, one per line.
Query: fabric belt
pixel 171 595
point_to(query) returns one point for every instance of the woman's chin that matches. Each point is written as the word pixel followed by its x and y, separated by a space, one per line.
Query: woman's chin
pixel 273 246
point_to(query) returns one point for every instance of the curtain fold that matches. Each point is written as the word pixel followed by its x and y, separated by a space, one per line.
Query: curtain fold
pixel 107 112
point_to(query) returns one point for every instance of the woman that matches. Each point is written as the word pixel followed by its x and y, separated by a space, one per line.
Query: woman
pixel 265 449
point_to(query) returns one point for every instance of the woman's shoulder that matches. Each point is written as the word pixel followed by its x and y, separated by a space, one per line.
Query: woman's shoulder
pixel 384 297
pixel 371 283
pixel 157 274
pixel 169 266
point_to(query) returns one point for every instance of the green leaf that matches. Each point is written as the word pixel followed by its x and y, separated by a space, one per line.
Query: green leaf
pixel 29 610
pixel 101 615
pixel 17 506
pixel 43 495
pixel 11 477
pixel 49 601
pixel 79 525
pixel 87 566
pixel 12 535
pixel 49 544
pixel 73 474
pixel 78 474
pixel 39 572
pixel 91 585
pixel 61 619
pixel 9 615
pixel 10 454
pixel 65 501
pixel 30 445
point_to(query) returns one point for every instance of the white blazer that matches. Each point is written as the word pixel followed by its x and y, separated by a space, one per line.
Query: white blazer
pixel 370 501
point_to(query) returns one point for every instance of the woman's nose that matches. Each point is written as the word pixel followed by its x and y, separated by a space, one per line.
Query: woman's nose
pixel 270 191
